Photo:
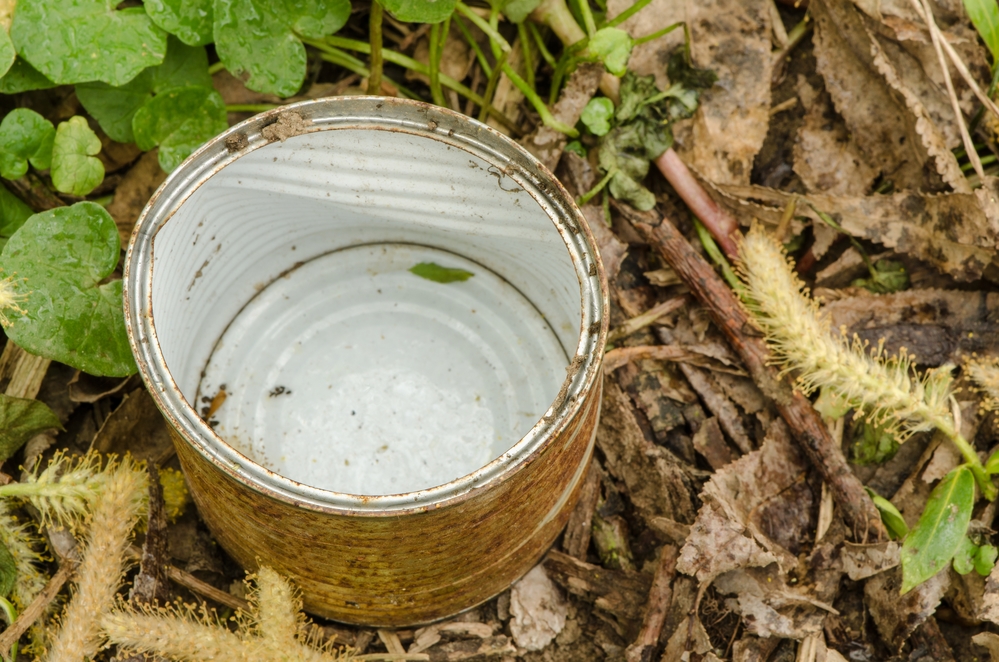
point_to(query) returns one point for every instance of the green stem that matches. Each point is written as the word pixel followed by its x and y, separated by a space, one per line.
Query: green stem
pixel 409 63
pixel 249 107
pixel 10 614
pixel 215 68
pixel 627 13
pixel 351 63
pixel 525 49
pixel 586 197
pixel 375 29
pixel 588 22
pixel 711 248
pixel 985 484
pixel 481 24
pixel 435 65
pixel 540 43
pixel 539 105
pixel 474 45
pixel 605 206
pixel 491 86
pixel 657 34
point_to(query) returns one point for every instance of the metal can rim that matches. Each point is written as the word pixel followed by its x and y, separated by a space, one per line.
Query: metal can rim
pixel 380 113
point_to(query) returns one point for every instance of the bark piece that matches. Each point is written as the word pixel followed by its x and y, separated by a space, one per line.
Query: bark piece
pixel 576 540
pixel 709 442
pixel 897 616
pixel 615 592
pixel 537 609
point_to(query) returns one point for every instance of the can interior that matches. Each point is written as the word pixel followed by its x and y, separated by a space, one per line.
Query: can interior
pixel 284 281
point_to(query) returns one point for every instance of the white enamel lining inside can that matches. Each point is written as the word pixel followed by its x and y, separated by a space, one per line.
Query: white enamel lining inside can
pixel 339 212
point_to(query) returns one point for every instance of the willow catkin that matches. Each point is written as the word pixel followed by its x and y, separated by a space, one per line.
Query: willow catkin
pixel 884 388
pixel 115 513
pixel 175 637
pixel 985 374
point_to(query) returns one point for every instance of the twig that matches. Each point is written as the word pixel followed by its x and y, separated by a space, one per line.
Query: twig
pixel 391 641
pixel 657 608
pixel 805 423
pixel 645 319
pixel 719 222
pixel 617 358
pixel 195 585
pixel 37 606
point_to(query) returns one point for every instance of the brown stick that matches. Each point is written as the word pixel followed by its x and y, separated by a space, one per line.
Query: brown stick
pixel 719 222
pixel 806 425
pixel 660 597
pixel 37 606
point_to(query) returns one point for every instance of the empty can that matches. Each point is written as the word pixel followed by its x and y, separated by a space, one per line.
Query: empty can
pixel 375 329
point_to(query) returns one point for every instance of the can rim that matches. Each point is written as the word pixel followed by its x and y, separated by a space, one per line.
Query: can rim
pixel 379 113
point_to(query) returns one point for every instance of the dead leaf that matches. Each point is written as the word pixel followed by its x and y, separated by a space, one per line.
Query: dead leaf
pixel 135 427
pixel 657 485
pixel 897 616
pixel 861 561
pixel 537 609
pixel 731 37
pixel 769 607
pixel 958 233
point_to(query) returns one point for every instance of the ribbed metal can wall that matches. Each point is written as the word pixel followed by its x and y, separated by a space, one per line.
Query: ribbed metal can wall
pixel 403 448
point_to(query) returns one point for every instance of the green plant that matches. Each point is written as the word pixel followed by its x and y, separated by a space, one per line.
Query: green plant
pixel 884 389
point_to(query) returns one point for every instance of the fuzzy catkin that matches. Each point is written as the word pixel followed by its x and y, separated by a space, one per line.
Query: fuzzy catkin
pixel 21 542
pixel 985 374
pixel 177 638
pixel 277 609
pixel 99 575
pixel 886 389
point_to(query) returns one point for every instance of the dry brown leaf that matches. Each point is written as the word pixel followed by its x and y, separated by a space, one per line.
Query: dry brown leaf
pixel 656 483
pixel 863 561
pixel 958 233
pixel 538 610
pixel 826 156
pixel 990 642
pixel 897 616
pixel 768 607
pixel 731 37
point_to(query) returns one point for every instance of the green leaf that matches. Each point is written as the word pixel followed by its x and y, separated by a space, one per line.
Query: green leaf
pixel 7 52
pixel 115 107
pixel 260 37
pixel 985 560
pixel 992 465
pixel 13 214
pixel 964 558
pixel 629 190
pixel 892 519
pixel 517 10
pixel 634 91
pixel 179 121
pixel 22 77
pixel 873 444
pixel 20 420
pixel 190 20
pixel 8 571
pixel 888 276
pixel 72 316
pixel 421 11
pixel 24 135
pixel 75 41
pixel 75 167
pixel 612 46
pixel 931 545
pixel 683 72
pixel 439 274
pixel 984 14
pixel 576 147
pixel 597 114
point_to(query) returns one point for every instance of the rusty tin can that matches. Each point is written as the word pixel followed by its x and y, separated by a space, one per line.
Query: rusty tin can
pixel 375 328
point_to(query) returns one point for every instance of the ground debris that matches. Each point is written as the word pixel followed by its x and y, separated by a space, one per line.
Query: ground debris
pixel 537 609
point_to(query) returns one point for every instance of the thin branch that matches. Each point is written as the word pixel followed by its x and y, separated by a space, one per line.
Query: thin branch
pixel 375 29
pixel 37 606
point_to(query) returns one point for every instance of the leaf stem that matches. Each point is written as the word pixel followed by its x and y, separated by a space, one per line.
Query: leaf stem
pixel 10 614
pixel 586 197
pixel 539 105
pixel 627 13
pixel 435 65
pixel 588 22
pixel 409 63
pixel 525 49
pixel 351 63
pixel 249 107
pixel 985 484
pixel 491 86
pixel 711 248
pixel 375 30
pixel 474 45
pixel 215 68
pixel 658 33
pixel 480 23
pixel 540 43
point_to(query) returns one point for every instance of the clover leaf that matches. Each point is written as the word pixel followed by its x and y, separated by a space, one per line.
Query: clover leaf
pixel 190 20
pixel 13 214
pixel 612 46
pixel 62 258
pixel 115 107
pixel 74 41
pixel 597 114
pixel 25 136
pixel 22 77
pixel 260 37
pixel 20 420
pixel 420 11
pixel 517 10
pixel 75 167
pixel 7 52
pixel 179 121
